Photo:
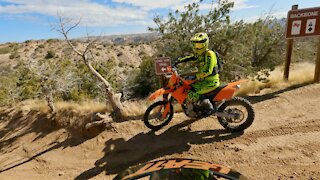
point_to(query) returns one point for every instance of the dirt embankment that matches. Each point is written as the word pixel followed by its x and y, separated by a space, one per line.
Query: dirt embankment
pixel 282 143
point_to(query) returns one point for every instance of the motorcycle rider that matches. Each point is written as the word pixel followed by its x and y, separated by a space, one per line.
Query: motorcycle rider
pixel 207 77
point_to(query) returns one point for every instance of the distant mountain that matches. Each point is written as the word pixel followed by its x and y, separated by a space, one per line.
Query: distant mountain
pixel 283 21
pixel 126 39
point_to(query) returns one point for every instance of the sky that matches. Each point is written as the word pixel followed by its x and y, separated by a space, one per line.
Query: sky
pixel 22 20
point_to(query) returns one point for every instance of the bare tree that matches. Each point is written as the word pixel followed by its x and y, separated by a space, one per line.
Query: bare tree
pixel 86 55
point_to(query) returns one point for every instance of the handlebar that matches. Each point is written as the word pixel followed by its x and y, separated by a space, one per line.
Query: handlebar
pixel 173 69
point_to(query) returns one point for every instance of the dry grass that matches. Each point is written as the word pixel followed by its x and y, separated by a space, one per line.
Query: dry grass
pixel 86 107
pixel 31 104
pixel 299 73
pixel 132 108
pixel 83 107
pixel 135 108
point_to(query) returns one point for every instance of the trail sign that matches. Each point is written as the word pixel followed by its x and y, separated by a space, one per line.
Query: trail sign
pixel 161 65
pixel 303 22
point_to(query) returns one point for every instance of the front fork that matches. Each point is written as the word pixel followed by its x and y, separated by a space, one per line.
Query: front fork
pixel 165 97
pixel 167 106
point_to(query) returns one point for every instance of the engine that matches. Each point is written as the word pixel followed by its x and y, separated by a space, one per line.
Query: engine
pixel 199 109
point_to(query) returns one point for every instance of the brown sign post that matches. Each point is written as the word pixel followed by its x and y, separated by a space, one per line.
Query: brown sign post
pixel 302 23
pixel 161 64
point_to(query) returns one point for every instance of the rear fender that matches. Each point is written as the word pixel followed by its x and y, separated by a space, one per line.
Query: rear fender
pixel 158 93
pixel 227 92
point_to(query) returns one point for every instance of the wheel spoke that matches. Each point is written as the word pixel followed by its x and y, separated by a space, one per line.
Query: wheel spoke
pixel 239 111
pixel 155 117
pixel 243 114
pixel 158 115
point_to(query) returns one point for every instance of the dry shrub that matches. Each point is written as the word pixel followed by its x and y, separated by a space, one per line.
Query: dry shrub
pixel 300 73
pixel 83 107
pixel 135 108
pixel 31 104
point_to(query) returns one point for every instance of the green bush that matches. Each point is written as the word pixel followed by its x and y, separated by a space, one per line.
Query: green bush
pixel 52 41
pixel 75 43
pixel 121 64
pixel 14 55
pixel 142 53
pixel 28 85
pixel 41 46
pixel 50 54
pixel 8 89
pixel 144 80
pixel 120 53
pixel 13 45
pixel 39 50
pixel 74 94
pixel 5 50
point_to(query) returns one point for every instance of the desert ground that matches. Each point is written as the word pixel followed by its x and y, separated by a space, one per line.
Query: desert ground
pixel 282 143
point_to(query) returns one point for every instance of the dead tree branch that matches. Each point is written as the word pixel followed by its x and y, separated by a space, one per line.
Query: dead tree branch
pixel 115 103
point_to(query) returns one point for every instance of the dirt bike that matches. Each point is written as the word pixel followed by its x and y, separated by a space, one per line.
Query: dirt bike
pixel 233 113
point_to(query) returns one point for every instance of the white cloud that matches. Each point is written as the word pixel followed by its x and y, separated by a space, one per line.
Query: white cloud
pixel 241 4
pixel 131 12
pixel 180 4
pixel 202 6
pixel 153 4
pixel 277 15
pixel 92 14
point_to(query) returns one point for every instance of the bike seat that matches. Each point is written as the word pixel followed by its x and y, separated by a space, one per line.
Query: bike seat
pixel 212 94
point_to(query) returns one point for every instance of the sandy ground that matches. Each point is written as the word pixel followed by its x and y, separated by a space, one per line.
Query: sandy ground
pixel 282 143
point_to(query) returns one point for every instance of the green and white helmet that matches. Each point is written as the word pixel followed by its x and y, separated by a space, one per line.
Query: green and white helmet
pixel 200 43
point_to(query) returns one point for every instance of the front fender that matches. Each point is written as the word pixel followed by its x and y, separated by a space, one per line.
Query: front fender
pixel 158 93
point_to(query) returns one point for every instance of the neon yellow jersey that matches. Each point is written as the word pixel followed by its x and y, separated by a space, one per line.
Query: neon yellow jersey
pixel 207 63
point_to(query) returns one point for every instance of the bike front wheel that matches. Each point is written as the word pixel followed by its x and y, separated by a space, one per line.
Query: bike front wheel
pixel 158 115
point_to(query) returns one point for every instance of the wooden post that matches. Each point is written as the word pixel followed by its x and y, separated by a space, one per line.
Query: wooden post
pixel 289 53
pixel 317 69
pixel 163 80
pixel 288 59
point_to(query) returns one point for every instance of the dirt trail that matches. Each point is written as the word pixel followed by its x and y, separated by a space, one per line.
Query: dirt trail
pixel 282 143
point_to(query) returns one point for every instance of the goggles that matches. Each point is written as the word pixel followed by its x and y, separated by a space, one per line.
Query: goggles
pixel 198 45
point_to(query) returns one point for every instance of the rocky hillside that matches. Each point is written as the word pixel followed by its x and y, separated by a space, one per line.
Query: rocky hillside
pixel 126 39
pixel 124 55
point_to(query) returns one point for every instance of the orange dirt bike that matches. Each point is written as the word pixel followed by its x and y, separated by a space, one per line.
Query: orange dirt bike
pixel 234 113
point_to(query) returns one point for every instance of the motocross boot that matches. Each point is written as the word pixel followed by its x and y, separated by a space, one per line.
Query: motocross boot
pixel 207 106
pixel 190 109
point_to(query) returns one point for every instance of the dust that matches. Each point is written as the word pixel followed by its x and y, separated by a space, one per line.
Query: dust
pixel 135 108
pixel 300 73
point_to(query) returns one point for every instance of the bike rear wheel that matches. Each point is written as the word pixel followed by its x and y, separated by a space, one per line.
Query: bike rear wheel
pixel 156 116
pixel 243 111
